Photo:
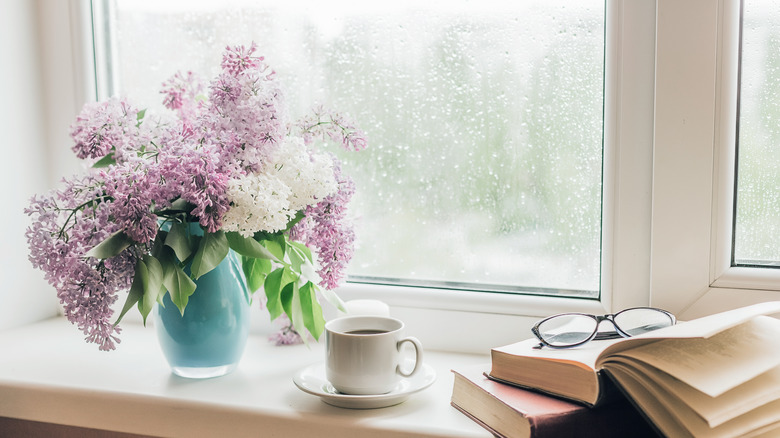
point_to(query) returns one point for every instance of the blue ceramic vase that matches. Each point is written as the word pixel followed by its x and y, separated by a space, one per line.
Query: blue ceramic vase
pixel 209 339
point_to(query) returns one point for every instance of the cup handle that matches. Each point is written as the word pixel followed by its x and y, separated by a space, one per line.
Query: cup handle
pixel 418 350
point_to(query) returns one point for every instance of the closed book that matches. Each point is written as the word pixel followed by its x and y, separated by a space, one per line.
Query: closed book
pixel 716 376
pixel 513 412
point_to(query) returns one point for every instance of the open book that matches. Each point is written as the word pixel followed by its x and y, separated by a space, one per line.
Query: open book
pixel 717 376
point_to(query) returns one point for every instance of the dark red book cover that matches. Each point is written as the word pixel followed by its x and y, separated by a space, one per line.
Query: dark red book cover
pixel 510 411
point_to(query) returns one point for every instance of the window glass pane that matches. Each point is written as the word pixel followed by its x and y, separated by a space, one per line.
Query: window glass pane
pixel 484 122
pixel 757 218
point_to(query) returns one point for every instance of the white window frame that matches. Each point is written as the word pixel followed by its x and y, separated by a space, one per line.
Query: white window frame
pixel 670 97
pixel 693 194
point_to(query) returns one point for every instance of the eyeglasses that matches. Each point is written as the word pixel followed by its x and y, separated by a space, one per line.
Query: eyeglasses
pixel 574 329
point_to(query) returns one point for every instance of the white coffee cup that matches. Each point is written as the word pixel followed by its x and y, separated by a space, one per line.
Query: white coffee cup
pixel 363 354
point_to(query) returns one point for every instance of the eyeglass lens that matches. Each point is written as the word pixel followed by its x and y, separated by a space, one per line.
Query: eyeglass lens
pixel 637 321
pixel 567 329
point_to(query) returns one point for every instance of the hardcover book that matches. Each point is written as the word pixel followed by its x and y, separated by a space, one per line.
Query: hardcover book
pixel 513 412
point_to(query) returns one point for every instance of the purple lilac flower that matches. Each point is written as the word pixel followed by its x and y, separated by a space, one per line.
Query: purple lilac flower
pixel 224 90
pixel 327 228
pixel 325 124
pixel 195 176
pixel 66 224
pixel 103 127
pixel 131 204
pixel 287 334
pixel 239 58
pixel 245 116
pixel 181 93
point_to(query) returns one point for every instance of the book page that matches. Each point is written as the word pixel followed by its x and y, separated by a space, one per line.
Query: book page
pixel 720 363
pixel 583 356
pixel 675 419
pixel 698 328
pixel 714 410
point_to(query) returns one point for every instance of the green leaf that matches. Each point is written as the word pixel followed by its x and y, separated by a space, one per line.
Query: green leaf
pixel 275 243
pixel 136 291
pixel 296 258
pixel 166 257
pixel 106 161
pixel 291 300
pixel 140 115
pixel 311 310
pixel 112 246
pixel 255 271
pixel 248 246
pixel 286 299
pixel 159 243
pixel 273 289
pixel 152 285
pixel 333 299
pixel 169 263
pixel 275 283
pixel 298 217
pixel 179 240
pixel 212 250
pixel 302 248
pixel 180 205
pixel 179 285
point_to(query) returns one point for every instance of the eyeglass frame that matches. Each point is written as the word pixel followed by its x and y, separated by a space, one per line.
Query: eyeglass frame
pixel 596 335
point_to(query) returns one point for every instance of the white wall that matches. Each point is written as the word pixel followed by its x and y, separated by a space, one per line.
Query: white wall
pixel 31 41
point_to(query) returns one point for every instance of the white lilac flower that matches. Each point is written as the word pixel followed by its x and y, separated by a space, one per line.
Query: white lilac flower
pixel 258 203
pixel 308 174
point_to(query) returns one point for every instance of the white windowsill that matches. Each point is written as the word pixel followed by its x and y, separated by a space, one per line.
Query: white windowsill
pixel 48 374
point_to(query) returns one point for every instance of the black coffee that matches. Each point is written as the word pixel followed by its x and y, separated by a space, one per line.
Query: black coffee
pixel 366 332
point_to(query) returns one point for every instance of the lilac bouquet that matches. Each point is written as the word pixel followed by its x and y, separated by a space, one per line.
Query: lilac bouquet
pixel 226 157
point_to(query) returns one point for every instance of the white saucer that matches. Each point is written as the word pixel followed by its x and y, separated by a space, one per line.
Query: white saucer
pixel 312 380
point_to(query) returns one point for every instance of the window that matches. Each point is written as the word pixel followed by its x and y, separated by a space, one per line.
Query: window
pixel 757 207
pixel 669 99
pixel 485 122
pixel 445 319
pixel 697 77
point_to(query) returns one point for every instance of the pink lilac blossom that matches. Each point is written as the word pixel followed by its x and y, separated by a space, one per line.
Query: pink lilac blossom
pixel 132 202
pixel 327 228
pixel 62 231
pixel 182 94
pixel 103 127
pixel 286 334
pixel 246 117
pixel 326 124
pixel 194 175
pixel 239 58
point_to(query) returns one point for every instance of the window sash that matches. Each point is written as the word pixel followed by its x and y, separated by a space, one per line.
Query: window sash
pixel 105 58
pixel 693 196
pixel 725 274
